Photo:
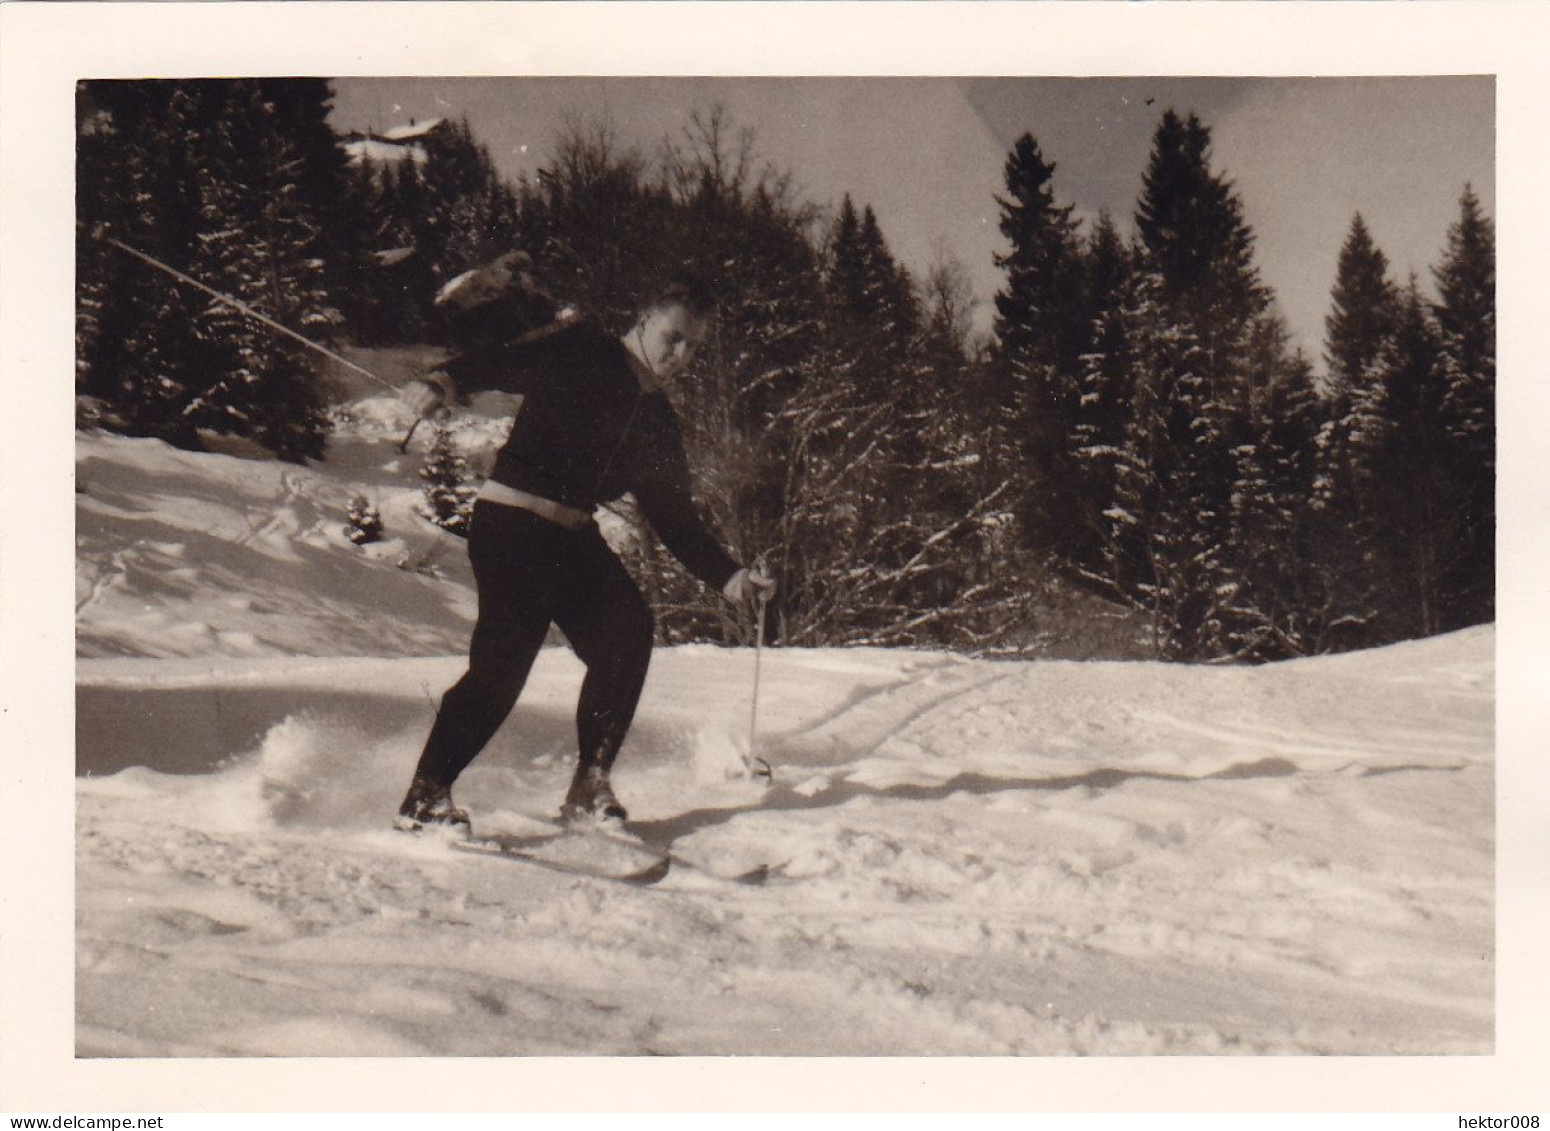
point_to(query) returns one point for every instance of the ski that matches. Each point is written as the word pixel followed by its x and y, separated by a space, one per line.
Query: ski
pixel 575 853
pixel 604 853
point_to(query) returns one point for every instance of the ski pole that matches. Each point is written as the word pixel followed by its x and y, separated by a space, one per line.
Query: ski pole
pixel 258 316
pixel 756 766
pixel 403 445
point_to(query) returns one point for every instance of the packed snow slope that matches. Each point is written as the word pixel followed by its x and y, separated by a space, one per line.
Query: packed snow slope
pixel 965 857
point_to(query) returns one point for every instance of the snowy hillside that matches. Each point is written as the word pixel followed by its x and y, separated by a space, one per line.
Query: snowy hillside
pixel 191 554
pixel 965 857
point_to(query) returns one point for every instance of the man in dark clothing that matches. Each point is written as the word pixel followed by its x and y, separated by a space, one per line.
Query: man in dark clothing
pixel 594 424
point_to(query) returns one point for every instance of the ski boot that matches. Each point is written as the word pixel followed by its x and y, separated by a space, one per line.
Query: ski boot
pixel 430 804
pixel 591 801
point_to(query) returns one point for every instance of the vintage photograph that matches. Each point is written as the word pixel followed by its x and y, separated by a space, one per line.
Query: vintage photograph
pixel 785 567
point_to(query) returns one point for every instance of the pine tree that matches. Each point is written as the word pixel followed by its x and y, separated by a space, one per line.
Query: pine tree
pixel 1362 311
pixel 1282 607
pixel 1421 510
pixel 1041 334
pixel 1343 517
pixel 1191 222
pixel 872 304
pixel 1190 432
pixel 1466 319
pixel 203 175
pixel 101 170
pixel 449 494
pixel 1174 475
pixel 848 275
pixel 1466 315
pixel 470 214
pixel 907 519
pixel 1107 381
pixel 893 304
pixel 364 292
pixel 840 429
pixel 406 286
pixel 301 110
pixel 258 243
pixel 966 587
pixel 817 432
pixel 139 167
pixel 365 521
pixel 1347 501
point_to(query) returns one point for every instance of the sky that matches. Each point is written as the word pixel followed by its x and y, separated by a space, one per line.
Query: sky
pixel 1306 154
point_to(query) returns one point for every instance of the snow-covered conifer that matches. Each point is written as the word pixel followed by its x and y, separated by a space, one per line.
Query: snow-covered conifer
pixel 1190 219
pixel 365 521
pixel 257 241
pixel 1420 506
pixel 139 164
pixel 1104 398
pixel 1361 313
pixel 1283 605
pixel 1195 390
pixel 1466 319
pixel 1041 334
pixel 1346 502
pixel 448 493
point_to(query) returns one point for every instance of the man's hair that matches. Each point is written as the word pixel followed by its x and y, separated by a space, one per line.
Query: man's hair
pixel 689 291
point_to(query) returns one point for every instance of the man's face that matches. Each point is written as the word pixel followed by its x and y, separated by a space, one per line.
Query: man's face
pixel 666 339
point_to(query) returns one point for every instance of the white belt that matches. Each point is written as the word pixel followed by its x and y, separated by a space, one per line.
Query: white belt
pixel 572 518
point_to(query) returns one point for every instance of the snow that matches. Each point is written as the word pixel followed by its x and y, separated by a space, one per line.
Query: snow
pixel 1284 866
pixel 181 554
pixel 413 130
pixel 384 152
pixel 966 857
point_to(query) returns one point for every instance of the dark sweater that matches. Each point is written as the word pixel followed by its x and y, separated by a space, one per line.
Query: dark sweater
pixel 587 433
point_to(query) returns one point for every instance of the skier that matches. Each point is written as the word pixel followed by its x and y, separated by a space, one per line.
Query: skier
pixel 594 423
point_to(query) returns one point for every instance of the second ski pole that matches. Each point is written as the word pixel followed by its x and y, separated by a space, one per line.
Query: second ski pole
pixel 755 765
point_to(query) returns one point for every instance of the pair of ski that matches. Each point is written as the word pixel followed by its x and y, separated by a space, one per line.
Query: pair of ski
pixel 601 852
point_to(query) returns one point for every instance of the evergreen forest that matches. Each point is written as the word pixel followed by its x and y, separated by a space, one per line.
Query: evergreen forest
pixel 1135 433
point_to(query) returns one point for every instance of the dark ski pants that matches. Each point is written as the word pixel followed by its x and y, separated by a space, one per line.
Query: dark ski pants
pixel 531 572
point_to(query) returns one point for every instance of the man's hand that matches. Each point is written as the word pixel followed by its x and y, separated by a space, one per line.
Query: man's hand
pixel 749 583
pixel 425 395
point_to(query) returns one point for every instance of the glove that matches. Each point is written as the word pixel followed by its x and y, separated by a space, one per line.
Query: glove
pixel 487 283
pixel 746 584
pixel 424 395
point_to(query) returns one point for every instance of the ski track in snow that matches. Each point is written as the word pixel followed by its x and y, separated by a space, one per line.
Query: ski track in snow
pixel 966 857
